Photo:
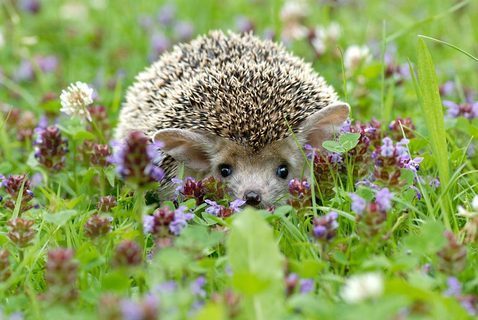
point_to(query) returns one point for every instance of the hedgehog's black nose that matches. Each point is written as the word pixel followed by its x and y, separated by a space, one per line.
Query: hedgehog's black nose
pixel 252 198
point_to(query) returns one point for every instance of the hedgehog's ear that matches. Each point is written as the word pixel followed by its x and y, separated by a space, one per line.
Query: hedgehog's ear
pixel 192 148
pixel 322 125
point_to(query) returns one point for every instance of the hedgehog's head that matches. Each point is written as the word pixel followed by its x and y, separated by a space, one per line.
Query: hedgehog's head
pixel 258 176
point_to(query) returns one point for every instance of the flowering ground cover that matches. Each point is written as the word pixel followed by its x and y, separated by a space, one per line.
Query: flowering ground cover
pixel 383 226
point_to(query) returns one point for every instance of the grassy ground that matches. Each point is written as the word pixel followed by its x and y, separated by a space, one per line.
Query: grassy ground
pixel 391 235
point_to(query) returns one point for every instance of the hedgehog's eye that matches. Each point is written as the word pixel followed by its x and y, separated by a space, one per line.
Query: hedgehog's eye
pixel 282 171
pixel 225 170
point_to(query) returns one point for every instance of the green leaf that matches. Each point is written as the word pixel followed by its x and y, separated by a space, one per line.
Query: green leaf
pixel 82 135
pixel 198 238
pixel 110 174
pixel 116 281
pixel 442 307
pixel 282 210
pixel 428 241
pixel 211 311
pixel 349 140
pixel 428 94
pixel 257 264
pixel 172 260
pixel 333 146
pixel 59 218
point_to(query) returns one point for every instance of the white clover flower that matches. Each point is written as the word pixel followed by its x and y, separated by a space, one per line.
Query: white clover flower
pixel 293 11
pixel 355 56
pixel 292 15
pixel 76 98
pixel 325 37
pixel 361 287
pixel 74 10
pixel 474 203
pixel 2 39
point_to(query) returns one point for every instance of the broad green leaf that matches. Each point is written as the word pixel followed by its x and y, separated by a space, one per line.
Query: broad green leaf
pixel 199 238
pixel 333 146
pixel 116 281
pixel 172 260
pixel 348 141
pixel 282 210
pixel 211 311
pixel 257 266
pixel 442 307
pixel 60 218
pixel 428 241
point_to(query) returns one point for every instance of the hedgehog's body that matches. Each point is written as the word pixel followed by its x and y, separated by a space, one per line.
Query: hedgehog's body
pixel 228 92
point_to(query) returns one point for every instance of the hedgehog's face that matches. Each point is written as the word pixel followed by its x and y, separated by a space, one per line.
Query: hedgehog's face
pixel 259 177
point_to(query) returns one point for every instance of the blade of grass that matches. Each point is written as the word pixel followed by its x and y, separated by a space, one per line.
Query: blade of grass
pixel 427 20
pixel 450 45
pixel 429 97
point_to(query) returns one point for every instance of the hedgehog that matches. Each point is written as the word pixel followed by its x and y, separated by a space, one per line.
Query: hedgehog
pixel 235 107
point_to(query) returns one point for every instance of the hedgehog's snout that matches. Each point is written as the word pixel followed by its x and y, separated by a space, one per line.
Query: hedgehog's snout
pixel 252 198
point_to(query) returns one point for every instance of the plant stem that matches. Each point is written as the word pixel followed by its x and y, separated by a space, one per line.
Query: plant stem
pixel 138 215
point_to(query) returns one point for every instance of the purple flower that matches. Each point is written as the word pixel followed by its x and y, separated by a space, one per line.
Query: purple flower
pixel 454 287
pixel 197 287
pixel 268 34
pixel 47 64
pixel 306 285
pixel 183 30
pixel 452 108
pixel 36 180
pixel 24 72
pixel 180 220
pixel 236 204
pixel 468 303
pixel 50 148
pixel 136 159
pixel 244 24
pixel 387 149
pixel 325 226
pixel 166 14
pixel 179 185
pixel 146 22
pixel 468 110
pixel 474 110
pixel 16 316
pixel 148 224
pixel 411 164
pixel 383 198
pixel 167 287
pixel 131 310
pixel 435 183
pixel 346 126
pixel 320 231
pixel 214 208
pixel 30 6
pixel 447 88
pixel 299 188
pixel 418 194
pixel 159 44
pixel 358 203
pixel 401 147
pixel 147 308
pixel 335 158
pixel 309 151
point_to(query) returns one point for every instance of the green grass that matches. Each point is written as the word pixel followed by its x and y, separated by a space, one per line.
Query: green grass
pixel 253 263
